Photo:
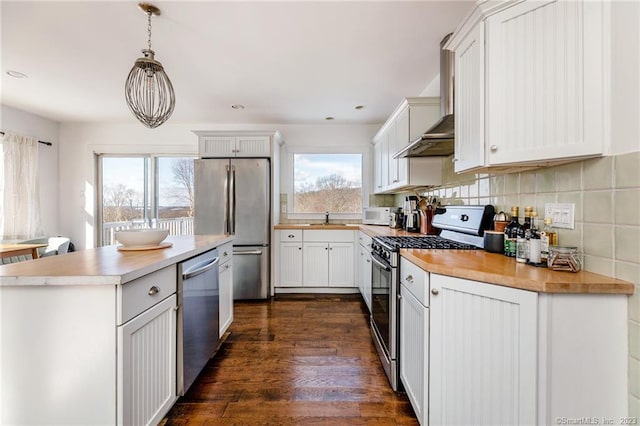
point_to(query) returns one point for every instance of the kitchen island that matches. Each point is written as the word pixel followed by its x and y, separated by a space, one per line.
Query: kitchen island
pixel 89 337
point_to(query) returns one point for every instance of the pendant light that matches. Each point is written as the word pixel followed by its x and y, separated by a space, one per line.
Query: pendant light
pixel 148 90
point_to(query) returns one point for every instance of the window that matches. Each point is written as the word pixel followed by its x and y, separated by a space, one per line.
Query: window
pixel 327 182
pixel 145 191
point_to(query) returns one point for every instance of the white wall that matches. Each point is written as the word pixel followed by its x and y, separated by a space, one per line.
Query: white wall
pixel 27 124
pixel 80 142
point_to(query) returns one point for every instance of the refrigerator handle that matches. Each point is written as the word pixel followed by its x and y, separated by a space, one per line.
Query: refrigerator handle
pixel 226 200
pixel 232 204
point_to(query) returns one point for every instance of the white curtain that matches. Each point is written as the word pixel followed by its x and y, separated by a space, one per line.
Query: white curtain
pixel 20 195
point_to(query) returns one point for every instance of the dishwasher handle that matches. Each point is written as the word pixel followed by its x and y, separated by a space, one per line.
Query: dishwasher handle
pixel 254 252
pixel 200 268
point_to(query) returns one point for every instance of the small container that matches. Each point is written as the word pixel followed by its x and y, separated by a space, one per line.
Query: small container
pixel 564 258
pixel 494 241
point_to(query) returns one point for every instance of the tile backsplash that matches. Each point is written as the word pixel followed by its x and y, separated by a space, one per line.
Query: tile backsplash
pixel 606 194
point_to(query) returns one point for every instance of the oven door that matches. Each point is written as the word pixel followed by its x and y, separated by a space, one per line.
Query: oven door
pixel 384 308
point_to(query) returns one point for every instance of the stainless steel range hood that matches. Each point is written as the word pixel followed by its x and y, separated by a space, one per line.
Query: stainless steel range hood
pixel 438 140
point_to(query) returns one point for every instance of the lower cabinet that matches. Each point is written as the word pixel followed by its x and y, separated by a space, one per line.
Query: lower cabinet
pixel 364 278
pixel 225 282
pixel 316 259
pixel 483 343
pixel 485 354
pixel 147 365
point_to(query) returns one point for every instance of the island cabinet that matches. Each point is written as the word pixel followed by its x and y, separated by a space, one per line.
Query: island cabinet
pixel 315 260
pixel 531 84
pixel 225 281
pixel 478 353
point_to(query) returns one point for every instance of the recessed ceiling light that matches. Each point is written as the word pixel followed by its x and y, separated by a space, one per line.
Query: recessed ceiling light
pixel 237 107
pixel 329 118
pixel 359 107
pixel 16 74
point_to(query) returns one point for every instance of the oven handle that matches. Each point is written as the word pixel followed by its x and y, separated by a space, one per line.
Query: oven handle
pixel 380 264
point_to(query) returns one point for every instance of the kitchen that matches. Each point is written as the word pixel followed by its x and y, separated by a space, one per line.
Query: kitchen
pixel 608 236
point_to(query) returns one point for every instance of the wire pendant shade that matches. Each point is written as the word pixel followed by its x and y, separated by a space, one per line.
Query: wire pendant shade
pixel 148 90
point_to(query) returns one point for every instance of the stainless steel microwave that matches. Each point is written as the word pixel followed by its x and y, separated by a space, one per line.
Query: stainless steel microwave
pixel 376 215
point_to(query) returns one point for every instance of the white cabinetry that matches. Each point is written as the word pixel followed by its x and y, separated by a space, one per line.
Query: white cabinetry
pixel 483 344
pixel 410 119
pixel 414 337
pixel 543 98
pixel 316 259
pixel 364 268
pixel 234 146
pixel 147 365
pixel 225 281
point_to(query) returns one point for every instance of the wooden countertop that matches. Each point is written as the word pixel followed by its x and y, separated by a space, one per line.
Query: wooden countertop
pixel 105 265
pixel 478 265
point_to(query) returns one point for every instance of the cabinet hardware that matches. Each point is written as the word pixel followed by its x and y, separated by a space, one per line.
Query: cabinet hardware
pixel 153 290
pixel 434 291
pixel 409 278
pixel 453 160
pixel 494 148
pixel 291 236
pixel 399 296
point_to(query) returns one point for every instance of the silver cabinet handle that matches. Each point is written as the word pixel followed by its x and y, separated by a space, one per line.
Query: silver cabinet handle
pixel 369 260
pixel 434 291
pixel 409 278
pixel 453 160
pixel 248 252
pixel 399 296
pixel 494 148
pixel 153 290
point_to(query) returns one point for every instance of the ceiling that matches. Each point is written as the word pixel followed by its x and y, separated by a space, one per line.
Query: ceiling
pixel 292 62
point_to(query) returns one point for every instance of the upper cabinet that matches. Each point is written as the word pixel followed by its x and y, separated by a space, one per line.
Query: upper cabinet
pixel 410 120
pixel 224 144
pixel 530 83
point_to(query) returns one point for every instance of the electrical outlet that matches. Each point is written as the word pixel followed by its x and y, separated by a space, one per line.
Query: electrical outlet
pixel 563 214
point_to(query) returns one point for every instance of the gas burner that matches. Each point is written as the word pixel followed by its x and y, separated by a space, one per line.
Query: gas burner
pixel 424 242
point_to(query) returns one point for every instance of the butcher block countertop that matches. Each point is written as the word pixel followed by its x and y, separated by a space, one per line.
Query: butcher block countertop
pixel 478 265
pixel 106 265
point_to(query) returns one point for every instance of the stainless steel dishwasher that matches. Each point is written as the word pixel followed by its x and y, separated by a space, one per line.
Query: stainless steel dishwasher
pixel 198 321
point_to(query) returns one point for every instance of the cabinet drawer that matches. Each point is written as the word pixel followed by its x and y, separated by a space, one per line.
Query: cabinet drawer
pixel 139 295
pixel 364 240
pixel 225 252
pixel 416 280
pixel 289 235
pixel 329 235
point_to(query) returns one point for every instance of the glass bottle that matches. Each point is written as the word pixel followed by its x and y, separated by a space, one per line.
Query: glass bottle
pixel 548 237
pixel 522 245
pixel 511 233
pixel 535 244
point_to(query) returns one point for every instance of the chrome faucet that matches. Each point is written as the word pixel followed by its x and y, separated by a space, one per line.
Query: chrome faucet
pixel 326 218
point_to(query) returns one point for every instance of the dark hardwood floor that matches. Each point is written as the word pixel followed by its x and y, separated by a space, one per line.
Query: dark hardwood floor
pixel 297 360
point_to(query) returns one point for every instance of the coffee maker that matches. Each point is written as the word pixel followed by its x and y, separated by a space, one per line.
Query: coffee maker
pixel 412 214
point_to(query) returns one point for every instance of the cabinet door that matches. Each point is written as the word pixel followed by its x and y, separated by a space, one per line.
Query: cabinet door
pixel 402 139
pixel 364 266
pixel 392 148
pixel 483 353
pixel 217 146
pixel 253 146
pixel 469 101
pixel 147 365
pixel 377 167
pixel 225 281
pixel 546 81
pixel 341 265
pixel 414 352
pixel 290 264
pixel 315 264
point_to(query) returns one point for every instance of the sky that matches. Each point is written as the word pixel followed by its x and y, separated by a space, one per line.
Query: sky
pixel 309 167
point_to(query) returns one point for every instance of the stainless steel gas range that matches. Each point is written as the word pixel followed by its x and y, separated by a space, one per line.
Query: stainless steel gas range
pixel 462 229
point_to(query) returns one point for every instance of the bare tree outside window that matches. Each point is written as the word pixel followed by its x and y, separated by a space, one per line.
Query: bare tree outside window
pixel 177 195
pixel 328 182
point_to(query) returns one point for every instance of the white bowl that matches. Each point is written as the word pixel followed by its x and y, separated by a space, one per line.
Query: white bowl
pixel 141 237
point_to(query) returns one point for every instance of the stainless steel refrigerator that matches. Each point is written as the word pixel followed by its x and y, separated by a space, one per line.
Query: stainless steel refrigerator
pixel 232 196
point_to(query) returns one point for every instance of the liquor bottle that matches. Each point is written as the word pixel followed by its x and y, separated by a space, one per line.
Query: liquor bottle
pixel 533 238
pixel 522 245
pixel 548 238
pixel 511 233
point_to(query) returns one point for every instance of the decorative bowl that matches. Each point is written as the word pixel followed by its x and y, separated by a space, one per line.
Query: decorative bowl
pixel 141 237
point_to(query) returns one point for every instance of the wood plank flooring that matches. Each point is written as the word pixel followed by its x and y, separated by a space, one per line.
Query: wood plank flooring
pixel 296 360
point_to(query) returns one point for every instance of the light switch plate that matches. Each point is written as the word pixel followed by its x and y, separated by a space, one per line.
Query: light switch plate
pixel 563 214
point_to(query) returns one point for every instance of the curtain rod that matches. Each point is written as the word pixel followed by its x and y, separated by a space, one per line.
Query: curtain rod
pixel 42 142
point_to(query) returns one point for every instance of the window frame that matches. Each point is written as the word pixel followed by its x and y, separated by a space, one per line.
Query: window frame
pixel 289 179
